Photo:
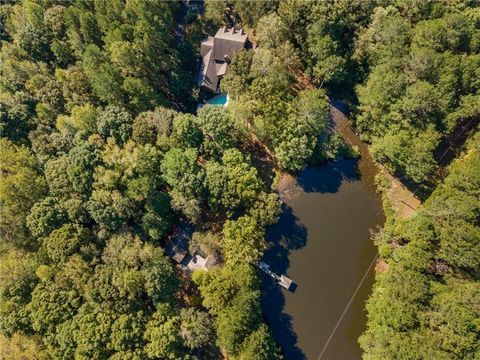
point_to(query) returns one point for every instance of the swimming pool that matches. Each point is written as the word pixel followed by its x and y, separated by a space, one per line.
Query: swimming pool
pixel 220 100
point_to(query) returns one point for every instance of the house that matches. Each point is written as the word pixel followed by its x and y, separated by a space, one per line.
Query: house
pixel 198 262
pixel 177 250
pixel 177 247
pixel 217 52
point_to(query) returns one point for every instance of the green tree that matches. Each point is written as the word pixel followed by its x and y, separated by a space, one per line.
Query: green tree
pixel 408 157
pixel 186 132
pixel 429 312
pixel 82 160
pixel 29 31
pixel 127 332
pixel 217 128
pixel 83 118
pixel 104 77
pixel 327 63
pixel 150 126
pixel 453 318
pixel 237 80
pixel 182 173
pixel 259 345
pixel 233 183
pixel 65 241
pixel 385 38
pixel 109 209
pixel 312 107
pixel 21 186
pixel 266 209
pixel 293 153
pixel 146 266
pixel 76 85
pixel 196 328
pixel 160 280
pixel 384 86
pixel 219 286
pixel 235 323
pixel 157 219
pixel 142 96
pixel 250 11
pixel 269 71
pixel 420 105
pixel 17 269
pixel 162 334
pixel 215 11
pixel 50 306
pixel 460 244
pixel 14 123
pixel 93 329
pixel 116 123
pixel 243 241
pixel 22 346
pixel 271 31
pixel 45 216
pixel 205 242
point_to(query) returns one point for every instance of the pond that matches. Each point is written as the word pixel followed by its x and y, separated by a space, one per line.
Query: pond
pixel 322 243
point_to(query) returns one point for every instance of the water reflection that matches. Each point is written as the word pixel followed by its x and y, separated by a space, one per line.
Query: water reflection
pixel 273 300
pixel 287 235
pixel 321 242
pixel 328 178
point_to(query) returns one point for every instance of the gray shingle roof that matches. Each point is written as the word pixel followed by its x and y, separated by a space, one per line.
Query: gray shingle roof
pixel 216 52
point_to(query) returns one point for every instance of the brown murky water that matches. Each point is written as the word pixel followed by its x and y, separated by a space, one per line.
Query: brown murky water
pixel 322 243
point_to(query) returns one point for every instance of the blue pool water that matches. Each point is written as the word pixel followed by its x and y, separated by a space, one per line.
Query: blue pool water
pixel 220 100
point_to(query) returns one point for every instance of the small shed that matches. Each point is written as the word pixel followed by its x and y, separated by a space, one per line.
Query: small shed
pixel 199 262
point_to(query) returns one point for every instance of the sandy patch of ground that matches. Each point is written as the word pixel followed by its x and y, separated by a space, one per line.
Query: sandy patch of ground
pixel 402 200
pixel 287 186
pixel 381 266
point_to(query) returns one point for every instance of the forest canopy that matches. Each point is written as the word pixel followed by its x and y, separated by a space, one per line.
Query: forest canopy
pixel 425 306
pixel 105 160
pixel 100 167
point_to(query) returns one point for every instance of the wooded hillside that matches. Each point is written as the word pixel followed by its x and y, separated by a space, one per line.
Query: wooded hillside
pixel 103 163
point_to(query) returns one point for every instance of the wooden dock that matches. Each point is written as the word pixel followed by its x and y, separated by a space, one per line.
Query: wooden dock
pixel 281 280
pixel 285 282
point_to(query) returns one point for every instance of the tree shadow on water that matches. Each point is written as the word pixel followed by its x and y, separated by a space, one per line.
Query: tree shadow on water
pixel 273 302
pixel 286 235
pixel 329 177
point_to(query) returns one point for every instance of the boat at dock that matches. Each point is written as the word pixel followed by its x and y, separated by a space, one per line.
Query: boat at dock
pixel 282 280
